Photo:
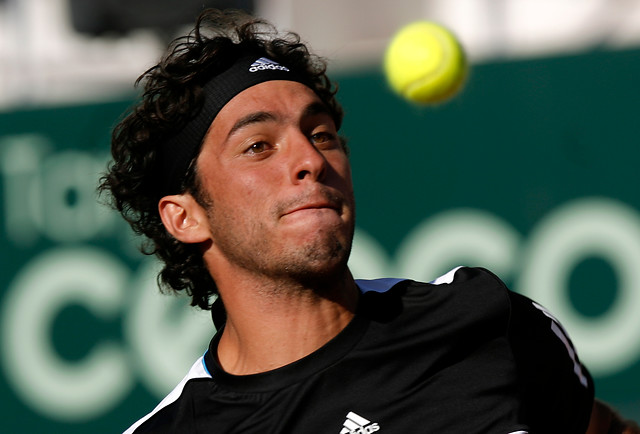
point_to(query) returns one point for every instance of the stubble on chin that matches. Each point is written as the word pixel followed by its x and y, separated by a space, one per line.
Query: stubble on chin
pixel 320 264
pixel 258 250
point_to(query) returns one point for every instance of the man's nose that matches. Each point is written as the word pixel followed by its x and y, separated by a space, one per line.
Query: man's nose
pixel 307 161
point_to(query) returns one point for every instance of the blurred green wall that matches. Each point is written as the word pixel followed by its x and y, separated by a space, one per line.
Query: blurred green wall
pixel 531 171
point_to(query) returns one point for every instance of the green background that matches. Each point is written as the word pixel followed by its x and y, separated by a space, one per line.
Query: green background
pixel 523 139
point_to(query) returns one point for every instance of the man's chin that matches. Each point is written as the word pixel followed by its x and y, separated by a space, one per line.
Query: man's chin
pixel 322 269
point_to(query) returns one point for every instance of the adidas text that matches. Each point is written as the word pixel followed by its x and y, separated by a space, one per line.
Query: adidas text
pixel 263 67
pixel 263 64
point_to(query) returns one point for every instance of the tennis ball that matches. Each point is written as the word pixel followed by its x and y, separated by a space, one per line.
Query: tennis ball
pixel 425 63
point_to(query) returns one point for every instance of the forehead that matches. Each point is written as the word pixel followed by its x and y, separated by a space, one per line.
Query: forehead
pixel 282 98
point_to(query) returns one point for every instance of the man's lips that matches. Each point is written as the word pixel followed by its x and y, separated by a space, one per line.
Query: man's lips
pixel 314 205
pixel 321 198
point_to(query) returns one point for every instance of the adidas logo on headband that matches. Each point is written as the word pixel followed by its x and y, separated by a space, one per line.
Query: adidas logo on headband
pixel 263 63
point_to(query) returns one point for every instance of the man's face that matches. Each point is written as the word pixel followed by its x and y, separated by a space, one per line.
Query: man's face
pixel 279 183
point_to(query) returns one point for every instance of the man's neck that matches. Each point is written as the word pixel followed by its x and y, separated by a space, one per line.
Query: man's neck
pixel 268 328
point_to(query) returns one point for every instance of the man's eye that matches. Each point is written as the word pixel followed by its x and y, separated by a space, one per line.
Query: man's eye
pixel 323 137
pixel 257 148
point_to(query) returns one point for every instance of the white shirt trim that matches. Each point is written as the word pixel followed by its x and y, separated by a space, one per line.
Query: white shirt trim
pixel 198 370
pixel 447 278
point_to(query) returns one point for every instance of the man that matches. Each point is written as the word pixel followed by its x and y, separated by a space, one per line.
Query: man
pixel 232 167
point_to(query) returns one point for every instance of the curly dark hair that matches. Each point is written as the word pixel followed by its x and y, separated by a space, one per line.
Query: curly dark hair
pixel 172 96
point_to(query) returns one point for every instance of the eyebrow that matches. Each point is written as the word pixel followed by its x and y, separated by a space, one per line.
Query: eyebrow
pixel 251 118
pixel 315 108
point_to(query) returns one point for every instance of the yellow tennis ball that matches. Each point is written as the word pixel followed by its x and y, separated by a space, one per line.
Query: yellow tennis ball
pixel 425 63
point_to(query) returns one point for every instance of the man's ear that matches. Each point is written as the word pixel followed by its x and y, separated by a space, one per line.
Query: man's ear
pixel 184 218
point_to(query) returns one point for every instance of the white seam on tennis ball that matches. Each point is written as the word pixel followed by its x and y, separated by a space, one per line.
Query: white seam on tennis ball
pixel 446 45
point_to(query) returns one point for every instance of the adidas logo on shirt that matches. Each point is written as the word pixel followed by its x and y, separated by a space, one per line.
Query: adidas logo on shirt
pixel 355 424
pixel 263 63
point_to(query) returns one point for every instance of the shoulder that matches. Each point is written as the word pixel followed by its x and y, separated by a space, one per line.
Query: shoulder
pixel 463 302
pixel 157 418
pixel 458 281
pixel 456 276
pixel 470 306
pixel 462 288
pixel 472 292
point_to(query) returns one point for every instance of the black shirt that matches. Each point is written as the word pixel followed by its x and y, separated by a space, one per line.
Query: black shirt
pixel 460 355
